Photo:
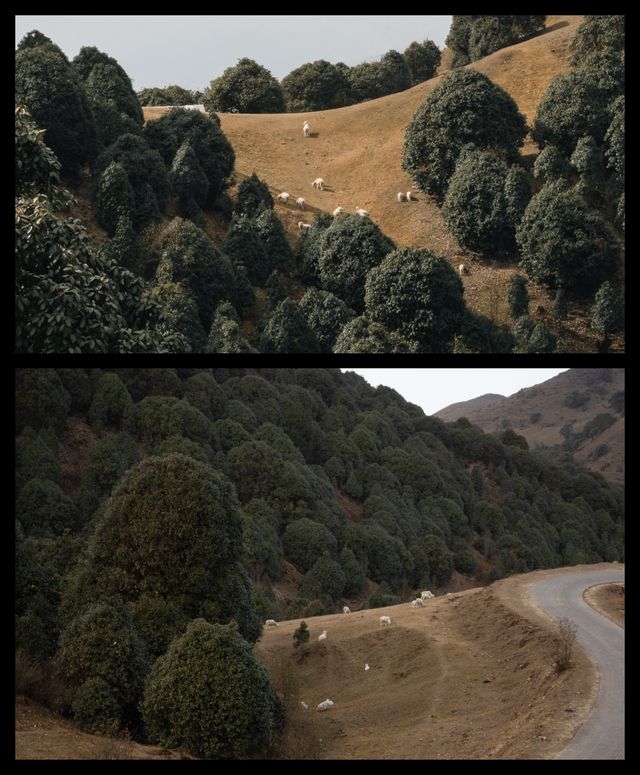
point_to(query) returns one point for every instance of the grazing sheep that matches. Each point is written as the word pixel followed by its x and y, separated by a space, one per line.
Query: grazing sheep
pixel 318 183
pixel 426 595
pixel 401 196
pixel 409 196
pixel 325 704
pixel 304 705
pixel 283 197
pixel 271 623
pixel 306 129
pixel 323 635
pixel 346 610
pixel 417 603
pixel 385 620
pixel 462 269
pixel 337 211
pixel 303 225
pixel 300 202
pixel 360 211
pixel 366 667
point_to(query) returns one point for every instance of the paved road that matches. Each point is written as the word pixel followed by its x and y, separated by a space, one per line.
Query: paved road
pixel 602 735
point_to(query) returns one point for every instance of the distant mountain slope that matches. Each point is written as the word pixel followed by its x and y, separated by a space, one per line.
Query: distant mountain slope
pixel 580 409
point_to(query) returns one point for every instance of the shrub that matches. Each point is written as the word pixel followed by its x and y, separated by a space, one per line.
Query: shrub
pixel 253 197
pixel 188 181
pixel 210 695
pixel 35 459
pixel 479 334
pixel 246 88
pixel 518 296
pixel 465 107
pixel 550 165
pixel 226 335
pixel 95 709
pixel 44 510
pixel 178 312
pixel 111 400
pixel 244 246
pixel 288 331
pixel 473 37
pixel 156 418
pixel 485 201
pixel 563 650
pixel 350 248
pixel 41 400
pixel 37 166
pixel 423 60
pixel 301 636
pixel 607 314
pixel 205 394
pixel 309 248
pixel 597 35
pixel 158 621
pixel 560 309
pixel 418 295
pixel 305 540
pixel 325 577
pixel 563 243
pixel 542 340
pixel 273 236
pixel 361 335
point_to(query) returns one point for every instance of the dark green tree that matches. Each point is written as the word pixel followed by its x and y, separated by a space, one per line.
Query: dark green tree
pixel 41 400
pixel 350 248
pixel 272 234
pixel 305 540
pixel 210 695
pixel 417 295
pixel 288 331
pixel 361 335
pixel 326 314
pixel 550 165
pixel 423 60
pixel 44 510
pixel 245 88
pixel 177 313
pixel 111 400
pixel 253 197
pixel 564 243
pixel 518 296
pixel 325 577
pixel 188 181
pixel 301 636
pixel 244 245
pixel 607 314
pixel 114 197
pixel 317 85
pixel 465 107
pixel 226 335
pixel 595 36
pixel 560 310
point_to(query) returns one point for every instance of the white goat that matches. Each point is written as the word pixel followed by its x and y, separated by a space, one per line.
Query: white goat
pixel 366 667
pixel 346 610
pixel 462 269
pixel 401 196
pixel 360 211
pixel 300 202
pixel 304 705
pixel 271 623
pixel 306 129
pixel 409 196
pixel 325 704
pixel 337 211
pixel 385 620
pixel 417 603
pixel 318 183
pixel 283 197
pixel 303 225
pixel 426 595
pixel 323 635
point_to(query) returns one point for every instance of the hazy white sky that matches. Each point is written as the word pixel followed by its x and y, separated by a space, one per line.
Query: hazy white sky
pixel 192 50
pixel 433 389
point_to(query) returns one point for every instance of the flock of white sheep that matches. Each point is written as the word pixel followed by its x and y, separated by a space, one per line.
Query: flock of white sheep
pixel 384 621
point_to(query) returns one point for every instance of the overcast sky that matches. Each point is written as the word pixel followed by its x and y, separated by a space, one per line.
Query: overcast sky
pixel 193 50
pixel 433 389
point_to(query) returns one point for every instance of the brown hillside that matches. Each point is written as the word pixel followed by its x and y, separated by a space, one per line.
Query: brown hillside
pixel 548 400
pixel 357 151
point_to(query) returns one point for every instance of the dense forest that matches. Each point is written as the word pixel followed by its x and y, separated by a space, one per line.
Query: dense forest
pixel 127 238
pixel 161 513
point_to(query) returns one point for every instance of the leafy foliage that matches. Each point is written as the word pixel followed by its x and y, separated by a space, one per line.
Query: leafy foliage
pixel 288 331
pixel 253 197
pixel 607 315
pixel 518 296
pixel 362 335
pixel 246 88
pixel 317 85
pixel 326 314
pixel 188 181
pixel 473 37
pixel 244 245
pixel 422 60
pixel 465 107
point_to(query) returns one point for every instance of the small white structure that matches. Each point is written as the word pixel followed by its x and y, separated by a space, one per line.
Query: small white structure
pixel 323 635
pixel 426 594
pixel 325 704
pixel 366 667
pixel 300 202
pixel 283 197
pixel 303 225
pixel 337 211
pixel 385 620
pixel 271 623
pixel 361 212
pixel 346 609
pixel 401 196
pixel 318 183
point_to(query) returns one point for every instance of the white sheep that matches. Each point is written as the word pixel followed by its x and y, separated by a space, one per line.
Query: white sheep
pixel 417 603
pixel 271 623
pixel 306 129
pixel 366 667
pixel 300 202
pixel 361 212
pixel 303 225
pixel 346 610
pixel 409 196
pixel 323 635
pixel 304 705
pixel 462 269
pixel 325 704
pixel 385 620
pixel 426 595
pixel 283 197
pixel 401 196
pixel 337 211
pixel 318 183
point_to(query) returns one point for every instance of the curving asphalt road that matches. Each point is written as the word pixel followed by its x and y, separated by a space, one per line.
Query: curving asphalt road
pixel 602 735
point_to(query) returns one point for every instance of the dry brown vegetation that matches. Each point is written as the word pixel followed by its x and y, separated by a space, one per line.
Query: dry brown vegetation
pixel 607 599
